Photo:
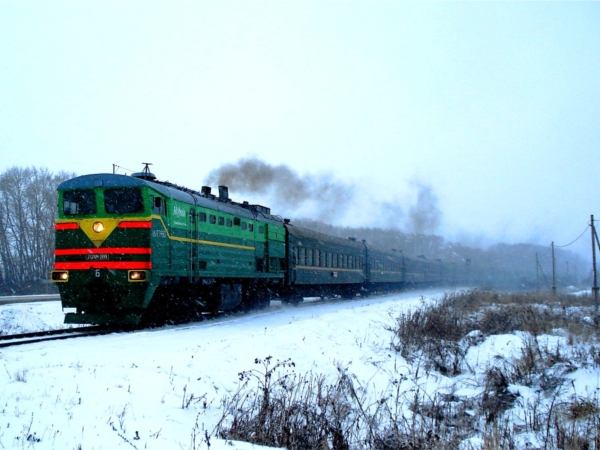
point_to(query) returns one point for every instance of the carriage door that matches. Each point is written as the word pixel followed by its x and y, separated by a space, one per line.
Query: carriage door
pixel 193 237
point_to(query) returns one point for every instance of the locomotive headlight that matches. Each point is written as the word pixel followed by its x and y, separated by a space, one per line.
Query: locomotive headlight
pixel 137 275
pixel 98 227
pixel 59 276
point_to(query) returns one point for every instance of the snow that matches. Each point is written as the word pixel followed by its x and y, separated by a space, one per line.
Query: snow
pixel 133 390
pixel 98 392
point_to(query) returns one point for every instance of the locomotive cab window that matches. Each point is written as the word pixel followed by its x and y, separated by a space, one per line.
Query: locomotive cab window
pixel 79 202
pixel 159 206
pixel 123 200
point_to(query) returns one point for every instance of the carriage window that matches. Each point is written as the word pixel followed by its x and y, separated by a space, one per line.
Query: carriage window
pixel 79 202
pixel 302 258
pixel 237 221
pixel 202 217
pixel 221 221
pixel 317 258
pixel 229 223
pixel 212 219
pixel 123 200
pixel 309 257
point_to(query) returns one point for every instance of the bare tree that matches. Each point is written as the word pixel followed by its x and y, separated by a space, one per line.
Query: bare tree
pixel 27 215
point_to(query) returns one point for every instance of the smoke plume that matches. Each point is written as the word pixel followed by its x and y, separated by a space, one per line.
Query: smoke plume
pixel 286 189
pixel 425 216
pixel 322 197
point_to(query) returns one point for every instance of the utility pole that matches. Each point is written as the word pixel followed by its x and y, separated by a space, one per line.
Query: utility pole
pixel 537 273
pixel 553 271
pixel 595 286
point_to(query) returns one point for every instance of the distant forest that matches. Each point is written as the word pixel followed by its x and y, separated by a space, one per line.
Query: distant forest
pixel 28 210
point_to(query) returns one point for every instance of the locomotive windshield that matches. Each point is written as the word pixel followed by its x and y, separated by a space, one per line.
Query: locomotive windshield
pixel 79 202
pixel 123 200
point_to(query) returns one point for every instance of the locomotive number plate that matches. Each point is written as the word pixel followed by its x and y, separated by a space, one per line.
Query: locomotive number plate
pixel 97 257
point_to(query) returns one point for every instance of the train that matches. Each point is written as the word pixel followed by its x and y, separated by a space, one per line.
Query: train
pixel 131 250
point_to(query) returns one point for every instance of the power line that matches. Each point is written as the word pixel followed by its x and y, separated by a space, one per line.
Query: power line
pixel 571 243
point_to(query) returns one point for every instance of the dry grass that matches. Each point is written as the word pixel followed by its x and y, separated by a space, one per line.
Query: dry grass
pixel 275 406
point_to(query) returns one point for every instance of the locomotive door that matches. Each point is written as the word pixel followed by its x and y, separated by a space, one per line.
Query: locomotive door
pixel 193 237
pixel 261 252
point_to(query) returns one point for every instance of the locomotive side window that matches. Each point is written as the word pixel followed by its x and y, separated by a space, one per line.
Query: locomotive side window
pixel 123 200
pixel 159 206
pixel 244 226
pixel 261 230
pixel 79 202
pixel 251 227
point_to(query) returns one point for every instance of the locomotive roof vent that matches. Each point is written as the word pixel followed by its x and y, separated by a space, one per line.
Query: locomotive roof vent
pixel 144 175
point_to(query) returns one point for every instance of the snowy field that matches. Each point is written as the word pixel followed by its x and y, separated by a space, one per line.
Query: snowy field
pixel 103 392
pixel 162 388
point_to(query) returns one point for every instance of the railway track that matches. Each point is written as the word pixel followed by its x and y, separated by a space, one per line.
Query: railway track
pixel 7 300
pixel 213 319
pixel 10 340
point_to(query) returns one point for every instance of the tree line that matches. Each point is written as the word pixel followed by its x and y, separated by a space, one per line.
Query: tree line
pixel 28 200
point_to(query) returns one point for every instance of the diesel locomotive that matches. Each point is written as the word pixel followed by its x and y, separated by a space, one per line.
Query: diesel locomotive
pixel 133 250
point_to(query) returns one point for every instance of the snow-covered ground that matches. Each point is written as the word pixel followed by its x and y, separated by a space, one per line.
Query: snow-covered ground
pixel 102 392
pixel 162 388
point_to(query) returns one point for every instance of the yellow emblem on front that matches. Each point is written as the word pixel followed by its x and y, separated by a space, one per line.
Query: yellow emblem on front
pixel 98 229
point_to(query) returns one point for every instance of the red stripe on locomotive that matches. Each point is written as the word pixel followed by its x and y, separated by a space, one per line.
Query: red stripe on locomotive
pixel 85 265
pixel 99 251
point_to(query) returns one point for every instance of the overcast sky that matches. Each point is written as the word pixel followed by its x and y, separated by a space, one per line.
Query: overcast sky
pixel 494 106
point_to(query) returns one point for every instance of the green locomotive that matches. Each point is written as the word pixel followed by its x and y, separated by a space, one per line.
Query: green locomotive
pixel 129 248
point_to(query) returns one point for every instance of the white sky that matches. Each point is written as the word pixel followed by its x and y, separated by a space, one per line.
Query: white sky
pixel 496 106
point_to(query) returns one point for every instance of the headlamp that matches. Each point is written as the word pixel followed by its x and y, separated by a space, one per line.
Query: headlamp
pixel 137 275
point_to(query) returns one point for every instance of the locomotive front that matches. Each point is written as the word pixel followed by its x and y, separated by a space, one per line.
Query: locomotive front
pixel 103 254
